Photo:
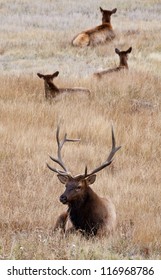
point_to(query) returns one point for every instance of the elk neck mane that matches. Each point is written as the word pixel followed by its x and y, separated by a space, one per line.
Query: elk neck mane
pixel 51 86
pixel 81 215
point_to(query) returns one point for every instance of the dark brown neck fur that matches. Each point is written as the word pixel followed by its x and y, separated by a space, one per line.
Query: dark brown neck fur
pixel 123 62
pixel 105 21
pixel 82 215
pixel 51 86
pixel 50 89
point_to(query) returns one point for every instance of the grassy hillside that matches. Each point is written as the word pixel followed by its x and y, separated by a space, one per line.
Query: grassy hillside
pixel 36 37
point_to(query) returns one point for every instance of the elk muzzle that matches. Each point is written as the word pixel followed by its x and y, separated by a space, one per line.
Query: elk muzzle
pixel 63 199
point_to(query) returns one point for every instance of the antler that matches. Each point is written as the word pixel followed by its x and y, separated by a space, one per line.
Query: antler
pixel 59 159
pixel 109 159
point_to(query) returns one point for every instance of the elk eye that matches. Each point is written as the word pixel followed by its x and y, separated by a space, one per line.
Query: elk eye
pixel 78 187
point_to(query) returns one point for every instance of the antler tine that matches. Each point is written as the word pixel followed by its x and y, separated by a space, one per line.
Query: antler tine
pixel 85 172
pixel 99 168
pixel 56 170
pixel 114 148
pixel 59 159
pixel 109 159
pixel 60 145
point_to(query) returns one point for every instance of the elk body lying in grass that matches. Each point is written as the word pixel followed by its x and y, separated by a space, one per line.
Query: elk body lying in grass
pixel 97 35
pixel 51 90
pixel 87 212
pixel 123 56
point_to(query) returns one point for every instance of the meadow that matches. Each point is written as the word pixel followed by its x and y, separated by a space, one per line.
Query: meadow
pixel 36 37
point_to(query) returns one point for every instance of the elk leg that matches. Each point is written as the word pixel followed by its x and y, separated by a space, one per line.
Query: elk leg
pixel 61 222
pixel 69 228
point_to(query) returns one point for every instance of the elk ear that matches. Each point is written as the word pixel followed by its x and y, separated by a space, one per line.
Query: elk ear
pixel 101 10
pixel 91 179
pixel 117 51
pixel 113 11
pixel 63 179
pixel 55 74
pixel 129 50
pixel 40 75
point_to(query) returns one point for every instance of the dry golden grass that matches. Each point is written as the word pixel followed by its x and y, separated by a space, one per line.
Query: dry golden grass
pixel 130 101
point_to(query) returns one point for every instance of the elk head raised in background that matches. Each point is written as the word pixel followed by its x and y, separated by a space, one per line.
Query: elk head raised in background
pixel 99 34
pixel 87 212
pixel 123 56
pixel 51 90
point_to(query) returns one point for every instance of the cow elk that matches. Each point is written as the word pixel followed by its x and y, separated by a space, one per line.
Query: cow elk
pixel 87 212
pixel 123 56
pixel 97 35
pixel 51 90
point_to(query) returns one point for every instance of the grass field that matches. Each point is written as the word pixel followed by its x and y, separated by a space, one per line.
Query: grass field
pixel 36 37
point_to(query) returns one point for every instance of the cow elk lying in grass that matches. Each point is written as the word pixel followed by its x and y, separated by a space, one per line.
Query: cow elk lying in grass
pixel 87 212
pixel 51 90
pixel 123 56
pixel 97 35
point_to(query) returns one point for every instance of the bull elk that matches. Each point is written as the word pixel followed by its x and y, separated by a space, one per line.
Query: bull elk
pixel 51 90
pixel 97 35
pixel 87 212
pixel 123 56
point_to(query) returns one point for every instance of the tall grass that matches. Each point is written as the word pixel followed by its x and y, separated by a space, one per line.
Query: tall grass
pixel 36 37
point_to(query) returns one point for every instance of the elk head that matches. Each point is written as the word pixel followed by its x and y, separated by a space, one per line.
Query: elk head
pixel 123 55
pixel 76 186
pixel 48 78
pixel 106 15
